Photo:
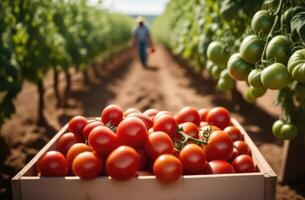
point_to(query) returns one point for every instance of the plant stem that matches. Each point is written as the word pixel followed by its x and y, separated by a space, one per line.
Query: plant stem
pixel 191 139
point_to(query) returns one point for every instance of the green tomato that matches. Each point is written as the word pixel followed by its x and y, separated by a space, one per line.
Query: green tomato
pixel 225 85
pixel 209 67
pixel 289 13
pixel 289 131
pixel 251 49
pixel 238 68
pixel 296 65
pixel 254 78
pixel 248 97
pixel 216 72
pixel 276 129
pixel 262 22
pixel 278 49
pixel 257 92
pixel 216 54
pixel 275 76
pixel 225 75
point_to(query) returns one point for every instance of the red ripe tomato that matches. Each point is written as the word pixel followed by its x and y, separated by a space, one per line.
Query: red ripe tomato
pixel 148 122
pixel 53 163
pixel 151 113
pixel 221 167
pixel 219 117
pixel 190 129
pixel 220 146
pixel 188 114
pixel 161 113
pixel 243 164
pixel 89 128
pixel 203 112
pixel 77 124
pixel 193 159
pixel 66 141
pixel 143 158
pixel 103 141
pixel 167 168
pixel 158 143
pixel 234 154
pixel 112 114
pixel 130 111
pixel 123 163
pixel 233 132
pixel 132 132
pixel 167 124
pixel 87 165
pixel 242 147
pixel 75 150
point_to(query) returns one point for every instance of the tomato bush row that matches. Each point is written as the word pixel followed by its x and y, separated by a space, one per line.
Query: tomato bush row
pixel 123 144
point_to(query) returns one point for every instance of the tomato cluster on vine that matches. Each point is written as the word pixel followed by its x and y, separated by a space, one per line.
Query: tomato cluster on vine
pixel 123 144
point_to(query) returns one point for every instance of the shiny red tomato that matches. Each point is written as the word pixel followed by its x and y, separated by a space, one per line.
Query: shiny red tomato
pixel 53 163
pixel 130 111
pixel 161 113
pixel 66 141
pixel 220 146
pixel 89 128
pixel 158 143
pixel 77 124
pixel 87 165
pixel 123 163
pixel 167 124
pixel 112 114
pixel 75 150
pixel 151 112
pixel 190 129
pixel 234 133
pixel 243 164
pixel 234 154
pixel 203 112
pixel 221 167
pixel 103 141
pixel 219 117
pixel 242 147
pixel 132 132
pixel 148 122
pixel 167 168
pixel 193 159
pixel 188 114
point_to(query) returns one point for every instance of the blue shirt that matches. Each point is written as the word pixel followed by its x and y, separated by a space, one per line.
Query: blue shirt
pixel 141 33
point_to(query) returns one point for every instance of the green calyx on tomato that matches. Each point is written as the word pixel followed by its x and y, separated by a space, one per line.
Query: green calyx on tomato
pixel 278 49
pixel 238 68
pixel 284 131
pixel 296 65
pixel 216 54
pixel 275 76
pixel 262 22
pixel 251 49
pixel 254 78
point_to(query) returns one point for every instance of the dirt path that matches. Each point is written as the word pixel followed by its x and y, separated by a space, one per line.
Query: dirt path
pixel 166 84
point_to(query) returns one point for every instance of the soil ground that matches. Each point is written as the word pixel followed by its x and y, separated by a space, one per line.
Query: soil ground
pixel 165 85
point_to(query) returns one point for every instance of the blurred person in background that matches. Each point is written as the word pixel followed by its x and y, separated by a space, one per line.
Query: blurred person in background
pixel 141 39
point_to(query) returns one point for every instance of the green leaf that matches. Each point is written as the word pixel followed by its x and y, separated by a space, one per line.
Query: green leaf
pixel 298 25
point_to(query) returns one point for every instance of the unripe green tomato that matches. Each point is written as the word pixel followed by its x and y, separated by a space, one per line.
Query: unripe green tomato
pixel 238 68
pixel 251 49
pixel 257 92
pixel 276 129
pixel 209 67
pixel 262 22
pixel 225 85
pixel 275 76
pixel 225 75
pixel 216 54
pixel 216 72
pixel 248 97
pixel 289 131
pixel 278 49
pixel 254 78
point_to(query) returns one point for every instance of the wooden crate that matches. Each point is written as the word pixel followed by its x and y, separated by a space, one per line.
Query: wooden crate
pixel 251 186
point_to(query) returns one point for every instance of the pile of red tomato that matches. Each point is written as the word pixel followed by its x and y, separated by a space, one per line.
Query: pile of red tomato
pixel 126 144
